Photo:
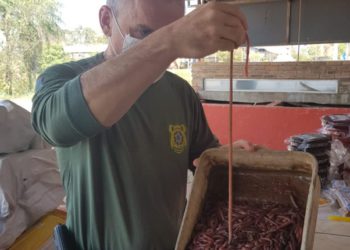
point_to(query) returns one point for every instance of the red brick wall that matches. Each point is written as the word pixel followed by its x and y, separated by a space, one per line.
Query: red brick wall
pixel 279 70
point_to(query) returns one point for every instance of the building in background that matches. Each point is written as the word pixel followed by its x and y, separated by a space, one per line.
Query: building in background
pixel 80 51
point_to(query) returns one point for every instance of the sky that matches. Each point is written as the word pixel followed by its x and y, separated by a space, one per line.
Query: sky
pixel 77 13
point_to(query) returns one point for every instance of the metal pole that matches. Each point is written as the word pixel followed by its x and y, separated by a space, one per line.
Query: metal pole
pixel 299 29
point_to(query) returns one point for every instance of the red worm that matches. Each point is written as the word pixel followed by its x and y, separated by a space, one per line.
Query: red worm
pixel 248 232
pixel 230 156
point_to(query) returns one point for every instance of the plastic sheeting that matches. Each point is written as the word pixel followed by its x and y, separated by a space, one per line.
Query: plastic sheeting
pixel 30 187
pixel 16 132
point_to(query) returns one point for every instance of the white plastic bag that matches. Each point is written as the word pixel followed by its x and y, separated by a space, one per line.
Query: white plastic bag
pixel 30 187
pixel 16 132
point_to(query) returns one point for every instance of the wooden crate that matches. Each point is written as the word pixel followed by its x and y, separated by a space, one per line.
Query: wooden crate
pixel 266 176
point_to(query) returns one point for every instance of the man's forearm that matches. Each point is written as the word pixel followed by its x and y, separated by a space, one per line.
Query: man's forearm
pixel 112 87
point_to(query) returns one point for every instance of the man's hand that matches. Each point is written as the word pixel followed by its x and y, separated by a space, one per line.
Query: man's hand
pixel 209 28
pixel 111 88
pixel 242 144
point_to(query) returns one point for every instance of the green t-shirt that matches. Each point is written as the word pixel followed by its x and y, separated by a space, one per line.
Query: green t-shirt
pixel 126 184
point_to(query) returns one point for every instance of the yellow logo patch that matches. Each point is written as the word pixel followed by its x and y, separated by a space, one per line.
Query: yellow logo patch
pixel 178 140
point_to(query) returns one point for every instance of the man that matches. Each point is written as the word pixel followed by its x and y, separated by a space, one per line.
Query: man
pixel 124 139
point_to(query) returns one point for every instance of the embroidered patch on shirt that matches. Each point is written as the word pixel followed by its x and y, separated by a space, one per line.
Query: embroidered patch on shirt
pixel 178 141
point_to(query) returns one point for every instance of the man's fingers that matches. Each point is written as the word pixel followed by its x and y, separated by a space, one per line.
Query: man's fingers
pixel 196 162
pixel 226 45
pixel 227 27
pixel 244 145
pixel 234 34
pixel 209 28
pixel 233 12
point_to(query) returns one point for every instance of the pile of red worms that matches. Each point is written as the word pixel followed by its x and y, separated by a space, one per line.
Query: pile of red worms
pixel 266 226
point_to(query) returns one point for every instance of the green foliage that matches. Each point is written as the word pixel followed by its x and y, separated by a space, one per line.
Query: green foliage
pixel 27 27
pixel 341 49
pixel 223 56
pixel 239 55
pixel 317 52
pixel 83 35
pixel 303 54
pixel 53 54
pixel 183 73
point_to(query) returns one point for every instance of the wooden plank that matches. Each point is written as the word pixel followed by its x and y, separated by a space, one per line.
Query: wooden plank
pixel 331 242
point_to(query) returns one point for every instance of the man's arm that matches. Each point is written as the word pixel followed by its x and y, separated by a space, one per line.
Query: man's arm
pixel 111 88
pixel 70 108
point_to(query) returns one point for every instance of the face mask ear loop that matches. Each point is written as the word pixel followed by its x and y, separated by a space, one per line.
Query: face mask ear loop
pixel 118 26
pixel 113 49
pixel 119 30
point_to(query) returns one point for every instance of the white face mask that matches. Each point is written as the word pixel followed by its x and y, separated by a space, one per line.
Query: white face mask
pixel 128 42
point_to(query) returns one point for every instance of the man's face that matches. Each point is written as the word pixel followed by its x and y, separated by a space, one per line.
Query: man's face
pixel 139 18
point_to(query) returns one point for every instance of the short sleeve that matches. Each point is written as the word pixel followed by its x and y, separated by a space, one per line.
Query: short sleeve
pixel 202 138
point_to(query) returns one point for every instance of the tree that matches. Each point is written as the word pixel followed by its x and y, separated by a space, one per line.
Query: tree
pixel 26 26
pixel 52 54
pixel 223 56
pixel 303 53
pixel 342 50
pixel 83 35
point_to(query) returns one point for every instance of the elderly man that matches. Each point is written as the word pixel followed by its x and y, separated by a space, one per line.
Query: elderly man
pixel 125 131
